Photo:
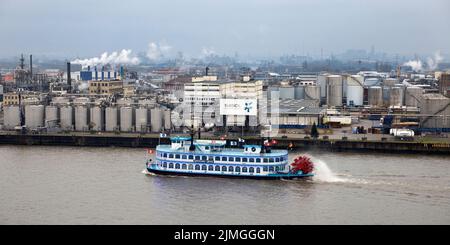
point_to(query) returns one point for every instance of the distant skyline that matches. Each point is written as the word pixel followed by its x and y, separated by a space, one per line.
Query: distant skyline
pixel 259 28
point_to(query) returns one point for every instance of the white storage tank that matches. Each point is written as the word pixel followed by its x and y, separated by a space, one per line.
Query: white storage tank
pixel 375 96
pixel 334 90
pixel 156 120
pixel 81 101
pixel 66 117
pixel 51 116
pixel 355 90
pixel 287 92
pixel 11 117
pixel 322 82
pixel 141 119
pixel 81 118
pixel 168 119
pixel 312 92
pixel 299 92
pixel 390 82
pixel 372 81
pixel 97 118
pixel 34 116
pixel 60 101
pixel 396 96
pixel 126 119
pixel 111 116
pixel 413 96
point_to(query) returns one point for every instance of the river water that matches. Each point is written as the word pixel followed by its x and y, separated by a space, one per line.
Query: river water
pixel 70 185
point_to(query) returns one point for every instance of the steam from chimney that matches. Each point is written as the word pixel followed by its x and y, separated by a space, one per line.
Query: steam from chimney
pixel 122 57
pixel 156 51
pixel 433 63
pixel 416 65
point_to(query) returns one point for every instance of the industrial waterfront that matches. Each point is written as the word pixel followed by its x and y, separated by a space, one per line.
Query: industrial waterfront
pixel 78 185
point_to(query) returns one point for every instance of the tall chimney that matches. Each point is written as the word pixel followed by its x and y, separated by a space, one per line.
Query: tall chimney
pixel 96 73
pixel 31 66
pixel 69 80
pixel 207 69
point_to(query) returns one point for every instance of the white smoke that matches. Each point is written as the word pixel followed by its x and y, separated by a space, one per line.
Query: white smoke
pixel 156 51
pixel 416 65
pixel 208 51
pixel 434 62
pixel 123 57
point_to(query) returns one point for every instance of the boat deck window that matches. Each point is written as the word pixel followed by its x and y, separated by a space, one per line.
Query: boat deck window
pixel 252 159
pixel 271 168
pixel 170 165
pixel 237 159
pixel 203 167
pixel 197 157
pixel 224 159
pixel 210 168
pixel 265 168
pixel 258 159
pixel 217 158
pixel 271 160
pixel 191 157
pixel 183 156
pixel 170 155
pixel 244 169
pixel 190 166
pixel 251 170
pixel 165 164
pixel 230 169
pixel 197 167
pixel 244 159
pixel 217 168
pixel 177 156
pixel 204 158
pixel 224 169
pixel 231 159
pixel 165 155
pixel 266 160
pixel 177 166
pixel 258 170
pixel 184 166
pixel 238 169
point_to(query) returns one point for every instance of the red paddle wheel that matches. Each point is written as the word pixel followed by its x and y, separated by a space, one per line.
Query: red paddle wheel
pixel 302 163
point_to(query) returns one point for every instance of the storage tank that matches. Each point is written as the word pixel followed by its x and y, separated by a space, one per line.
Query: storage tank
pixel 156 120
pixel 386 95
pixel 312 92
pixel 51 116
pixel 126 119
pixel 413 96
pixel 390 82
pixel 369 82
pixel 168 119
pixel 287 92
pixel 375 95
pixel 11 117
pixel 299 92
pixel 355 90
pixel 334 90
pixel 31 101
pixel 60 101
pixel 146 103
pixel 34 116
pixel 111 119
pixel 271 89
pixel 322 82
pixel 125 102
pixel 396 96
pixel 141 119
pixel 81 101
pixel 81 118
pixel 66 117
pixel 97 118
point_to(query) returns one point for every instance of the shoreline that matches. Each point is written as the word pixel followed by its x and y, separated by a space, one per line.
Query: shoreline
pixel 151 140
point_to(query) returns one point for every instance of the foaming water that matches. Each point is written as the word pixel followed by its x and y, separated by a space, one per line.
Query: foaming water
pixel 323 173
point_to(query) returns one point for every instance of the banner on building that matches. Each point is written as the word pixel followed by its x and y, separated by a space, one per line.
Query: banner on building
pixel 238 107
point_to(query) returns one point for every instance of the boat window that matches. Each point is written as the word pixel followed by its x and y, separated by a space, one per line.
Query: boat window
pixel 170 165
pixel 217 168
pixel 183 156
pixel 165 164
pixel 217 158
pixel 277 159
pixel 203 167
pixel 191 157
pixel 170 155
pixel 238 169
pixel 244 169
pixel 271 168
pixel 237 159
pixel 165 155
pixel 184 166
pixel 244 159
pixel 204 158
pixel 271 160
pixel 177 156
pixel 206 147
pixel 197 157
pixel 224 169
pixel 177 166
pixel 279 168
pixel 258 159
pixel 230 169
pixel 265 168
pixel 251 169
pixel 266 160
pixel 190 167
pixel 210 168
pixel 258 170
pixel 197 167
pixel 224 159
pixel 252 159
pixel 231 159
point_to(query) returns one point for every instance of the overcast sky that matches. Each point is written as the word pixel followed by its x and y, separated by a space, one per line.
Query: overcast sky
pixel 258 27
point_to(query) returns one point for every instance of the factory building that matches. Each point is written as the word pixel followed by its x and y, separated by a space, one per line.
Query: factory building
pixel 444 84
pixel 435 109
pixel 105 87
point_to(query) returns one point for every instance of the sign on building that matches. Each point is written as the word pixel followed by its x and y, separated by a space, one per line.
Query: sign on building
pixel 239 107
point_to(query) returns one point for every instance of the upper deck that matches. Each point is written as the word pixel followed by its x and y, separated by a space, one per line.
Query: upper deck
pixel 222 152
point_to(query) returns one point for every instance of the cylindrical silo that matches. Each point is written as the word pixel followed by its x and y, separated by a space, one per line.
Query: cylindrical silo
pixel 372 81
pixel 312 92
pixel 34 116
pixel 11 117
pixel 355 90
pixel 81 118
pixel 111 116
pixel 126 119
pixel 156 120
pixel 125 102
pixel 272 89
pixel 386 95
pixel 167 119
pixel 51 116
pixel 97 118
pixel 334 90
pixel 287 92
pixel 299 92
pixel 390 82
pixel 141 119
pixel 396 96
pixel 60 101
pixel 413 96
pixel 375 95
pixel 81 101
pixel 66 117
pixel 322 82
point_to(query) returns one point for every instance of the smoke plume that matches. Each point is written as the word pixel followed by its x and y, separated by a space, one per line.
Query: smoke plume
pixel 434 62
pixel 123 57
pixel 416 65
pixel 156 51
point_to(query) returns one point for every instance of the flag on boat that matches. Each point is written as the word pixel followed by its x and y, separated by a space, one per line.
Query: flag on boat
pixel 161 135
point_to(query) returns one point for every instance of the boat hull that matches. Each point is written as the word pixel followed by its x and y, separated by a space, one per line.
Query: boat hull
pixel 236 176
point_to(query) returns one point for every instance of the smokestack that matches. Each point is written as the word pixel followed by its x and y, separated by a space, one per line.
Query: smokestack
pixel 89 68
pixel 96 73
pixel 121 73
pixel 31 66
pixel 207 69
pixel 69 80
pixel 103 73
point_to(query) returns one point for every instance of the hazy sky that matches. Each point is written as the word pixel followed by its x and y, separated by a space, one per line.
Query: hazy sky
pixel 258 27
